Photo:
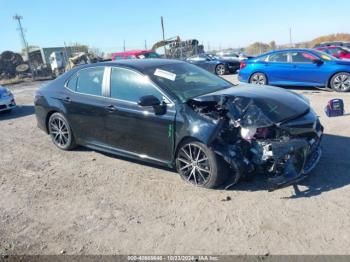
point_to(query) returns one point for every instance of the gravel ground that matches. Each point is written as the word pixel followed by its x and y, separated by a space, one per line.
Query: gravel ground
pixel 87 202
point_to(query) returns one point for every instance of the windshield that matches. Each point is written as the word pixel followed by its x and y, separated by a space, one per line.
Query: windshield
pixel 325 56
pixel 186 81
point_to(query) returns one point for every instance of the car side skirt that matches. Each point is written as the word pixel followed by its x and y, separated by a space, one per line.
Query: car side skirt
pixel 127 154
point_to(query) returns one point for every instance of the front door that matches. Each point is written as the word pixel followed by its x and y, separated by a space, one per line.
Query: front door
pixel 305 71
pixel 133 128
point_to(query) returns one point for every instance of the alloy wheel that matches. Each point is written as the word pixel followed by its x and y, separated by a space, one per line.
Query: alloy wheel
pixel 193 164
pixel 341 82
pixel 258 79
pixel 59 132
pixel 220 70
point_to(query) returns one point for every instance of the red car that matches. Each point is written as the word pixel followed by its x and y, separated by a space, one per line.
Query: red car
pixel 336 51
pixel 135 54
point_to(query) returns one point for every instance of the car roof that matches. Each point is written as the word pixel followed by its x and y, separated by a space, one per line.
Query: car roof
pixel 136 64
pixel 328 47
pixel 288 50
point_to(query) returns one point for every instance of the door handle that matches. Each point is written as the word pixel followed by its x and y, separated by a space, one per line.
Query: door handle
pixel 111 108
pixel 66 99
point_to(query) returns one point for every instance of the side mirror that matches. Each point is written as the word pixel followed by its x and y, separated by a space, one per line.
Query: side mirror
pixel 317 61
pixel 149 101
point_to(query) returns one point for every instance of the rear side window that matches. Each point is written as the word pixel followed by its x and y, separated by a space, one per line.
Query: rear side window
pixel 279 57
pixel 130 86
pixel 72 84
pixel 90 81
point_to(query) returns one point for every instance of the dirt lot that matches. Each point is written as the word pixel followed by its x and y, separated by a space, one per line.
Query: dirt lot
pixel 86 202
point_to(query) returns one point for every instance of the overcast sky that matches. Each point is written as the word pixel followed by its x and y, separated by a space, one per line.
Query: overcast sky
pixel 105 24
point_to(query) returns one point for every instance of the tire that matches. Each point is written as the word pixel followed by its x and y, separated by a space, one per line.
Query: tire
pixel 258 79
pixel 340 82
pixel 220 69
pixel 200 166
pixel 61 132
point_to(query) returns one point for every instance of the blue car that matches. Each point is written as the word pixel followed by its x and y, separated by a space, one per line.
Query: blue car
pixel 297 67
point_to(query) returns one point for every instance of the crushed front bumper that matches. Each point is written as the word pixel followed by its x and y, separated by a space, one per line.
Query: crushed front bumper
pixel 287 179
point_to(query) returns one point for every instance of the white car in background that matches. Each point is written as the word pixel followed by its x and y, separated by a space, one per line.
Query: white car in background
pixel 7 101
pixel 231 56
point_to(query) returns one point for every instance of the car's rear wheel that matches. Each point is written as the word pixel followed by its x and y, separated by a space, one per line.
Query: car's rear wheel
pixel 61 132
pixel 258 79
pixel 200 166
pixel 220 69
pixel 340 82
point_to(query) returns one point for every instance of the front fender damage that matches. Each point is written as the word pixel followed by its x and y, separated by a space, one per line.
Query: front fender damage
pixel 248 137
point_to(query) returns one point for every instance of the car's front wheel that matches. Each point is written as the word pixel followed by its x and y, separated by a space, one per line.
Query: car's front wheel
pixel 199 165
pixel 61 132
pixel 258 79
pixel 340 82
pixel 220 69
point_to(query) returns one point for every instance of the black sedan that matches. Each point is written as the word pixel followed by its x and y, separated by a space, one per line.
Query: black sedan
pixel 215 64
pixel 176 114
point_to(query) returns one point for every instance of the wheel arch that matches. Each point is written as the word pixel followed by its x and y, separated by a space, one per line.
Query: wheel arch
pixel 219 64
pixel 260 72
pixel 183 141
pixel 328 84
pixel 47 118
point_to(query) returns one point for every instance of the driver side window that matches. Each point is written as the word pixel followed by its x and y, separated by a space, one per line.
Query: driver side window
pixel 302 57
pixel 130 86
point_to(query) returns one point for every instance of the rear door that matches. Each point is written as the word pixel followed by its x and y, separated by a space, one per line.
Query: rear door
pixel 133 128
pixel 305 71
pixel 85 104
pixel 277 68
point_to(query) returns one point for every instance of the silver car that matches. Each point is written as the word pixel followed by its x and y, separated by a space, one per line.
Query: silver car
pixel 7 101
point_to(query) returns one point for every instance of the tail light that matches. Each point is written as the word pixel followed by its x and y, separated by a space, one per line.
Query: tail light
pixel 242 65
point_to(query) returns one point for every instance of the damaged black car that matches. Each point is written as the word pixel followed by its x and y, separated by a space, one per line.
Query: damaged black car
pixel 176 114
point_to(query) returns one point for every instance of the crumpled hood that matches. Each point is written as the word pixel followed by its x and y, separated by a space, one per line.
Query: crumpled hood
pixel 258 105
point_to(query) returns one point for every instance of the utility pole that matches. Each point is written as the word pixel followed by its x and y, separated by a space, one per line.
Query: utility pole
pixel 25 44
pixel 290 37
pixel 124 46
pixel 162 23
pixel 145 44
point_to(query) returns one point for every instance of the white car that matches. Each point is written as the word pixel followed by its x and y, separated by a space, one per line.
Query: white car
pixel 7 101
pixel 231 56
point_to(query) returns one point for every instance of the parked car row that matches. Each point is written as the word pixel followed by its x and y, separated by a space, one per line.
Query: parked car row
pixel 297 67
pixel 336 51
